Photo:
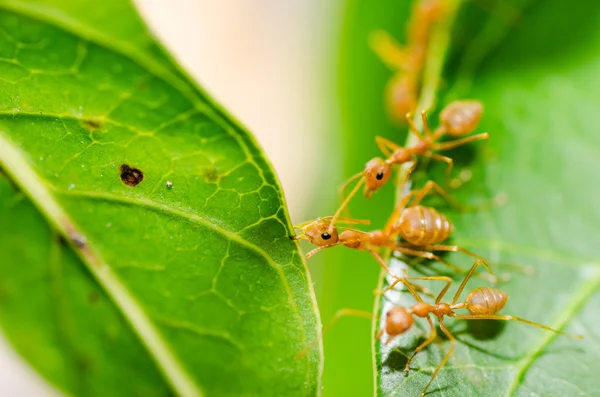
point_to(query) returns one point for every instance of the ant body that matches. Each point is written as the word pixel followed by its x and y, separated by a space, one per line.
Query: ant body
pixel 407 62
pixel 422 227
pixel 482 303
pixel 457 119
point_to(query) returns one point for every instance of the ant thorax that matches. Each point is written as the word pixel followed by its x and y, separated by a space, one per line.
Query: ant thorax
pixel 353 239
pixel 401 156
pixel 379 238
pixel 422 146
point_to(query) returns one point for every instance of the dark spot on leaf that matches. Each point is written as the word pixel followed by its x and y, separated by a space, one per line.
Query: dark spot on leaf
pixel 143 86
pixel 92 124
pixel 211 175
pixel 62 241
pixel 131 176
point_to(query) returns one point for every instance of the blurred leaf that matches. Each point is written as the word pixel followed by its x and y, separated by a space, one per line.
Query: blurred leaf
pixel 114 284
pixel 535 69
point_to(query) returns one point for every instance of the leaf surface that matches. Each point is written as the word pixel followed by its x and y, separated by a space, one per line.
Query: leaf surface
pixel 533 66
pixel 146 239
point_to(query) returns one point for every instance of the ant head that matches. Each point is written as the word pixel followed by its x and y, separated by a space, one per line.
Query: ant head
pixel 461 117
pixel 377 173
pixel 319 232
pixel 398 321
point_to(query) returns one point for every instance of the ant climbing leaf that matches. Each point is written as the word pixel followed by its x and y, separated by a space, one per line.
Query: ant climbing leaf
pixel 539 91
pixel 144 237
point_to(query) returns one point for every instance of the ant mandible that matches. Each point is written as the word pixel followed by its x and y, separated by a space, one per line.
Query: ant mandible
pixel 482 303
pixel 457 119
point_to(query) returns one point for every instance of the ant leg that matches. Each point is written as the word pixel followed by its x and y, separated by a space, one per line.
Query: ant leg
pixel 398 279
pixel 395 56
pixel 446 357
pixel 389 225
pixel 430 338
pixel 400 247
pixel 438 133
pixel 336 317
pixel 386 146
pixel 513 318
pixel 454 248
pixel 460 142
pixel 447 280
pixel 349 181
pixel 381 263
pixel 468 276
pixel 426 124
pixel 445 159
pixel 408 285
pixel 421 193
pixel 413 127
pixel 412 288
pixel 346 201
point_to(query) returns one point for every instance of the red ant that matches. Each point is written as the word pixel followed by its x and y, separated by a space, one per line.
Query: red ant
pixel 407 62
pixel 422 227
pixel 457 119
pixel 482 303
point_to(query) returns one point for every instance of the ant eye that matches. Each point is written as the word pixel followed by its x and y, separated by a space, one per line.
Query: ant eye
pixel 325 236
pixel 379 176
pixel 388 314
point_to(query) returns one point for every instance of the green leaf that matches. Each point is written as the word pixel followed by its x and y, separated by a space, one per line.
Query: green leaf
pixel 534 68
pixel 145 237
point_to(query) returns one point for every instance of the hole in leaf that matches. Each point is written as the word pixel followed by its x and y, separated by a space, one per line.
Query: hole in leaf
pixel 131 176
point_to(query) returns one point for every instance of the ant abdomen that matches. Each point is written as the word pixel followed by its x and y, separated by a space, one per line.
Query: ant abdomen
pixel 486 301
pixel 461 117
pixel 421 225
